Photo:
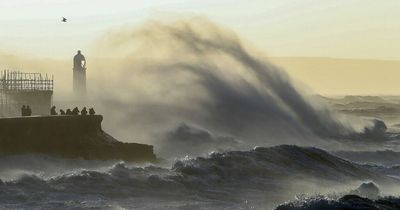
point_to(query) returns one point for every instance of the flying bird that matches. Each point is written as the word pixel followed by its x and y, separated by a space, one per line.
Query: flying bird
pixel 64 19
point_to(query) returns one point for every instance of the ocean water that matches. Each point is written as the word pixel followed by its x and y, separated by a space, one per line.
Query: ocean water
pixel 282 177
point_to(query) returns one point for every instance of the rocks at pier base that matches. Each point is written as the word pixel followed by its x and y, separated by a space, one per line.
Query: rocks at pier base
pixel 67 136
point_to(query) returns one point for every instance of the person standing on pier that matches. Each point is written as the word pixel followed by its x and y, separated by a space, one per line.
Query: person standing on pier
pixel 23 111
pixel 53 111
pixel 84 111
pixel 28 111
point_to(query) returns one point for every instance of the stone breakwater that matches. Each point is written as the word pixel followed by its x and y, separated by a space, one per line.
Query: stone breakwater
pixel 67 136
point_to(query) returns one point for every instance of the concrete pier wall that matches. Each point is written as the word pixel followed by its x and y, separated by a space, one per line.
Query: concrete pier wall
pixel 67 136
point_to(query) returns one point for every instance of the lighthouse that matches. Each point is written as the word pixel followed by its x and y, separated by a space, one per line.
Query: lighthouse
pixel 79 76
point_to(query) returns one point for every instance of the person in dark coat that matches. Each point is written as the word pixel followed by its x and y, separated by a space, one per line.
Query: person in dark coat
pixel 62 112
pixel 23 110
pixel 75 111
pixel 69 112
pixel 91 111
pixel 84 111
pixel 28 111
pixel 53 111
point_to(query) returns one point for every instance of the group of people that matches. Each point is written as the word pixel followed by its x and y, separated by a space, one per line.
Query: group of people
pixel 26 111
pixel 74 111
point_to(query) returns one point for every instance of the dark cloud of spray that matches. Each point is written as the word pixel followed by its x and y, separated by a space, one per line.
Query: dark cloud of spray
pixel 161 75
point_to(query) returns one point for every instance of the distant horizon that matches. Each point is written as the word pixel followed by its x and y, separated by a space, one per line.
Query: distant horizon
pixel 343 76
pixel 326 76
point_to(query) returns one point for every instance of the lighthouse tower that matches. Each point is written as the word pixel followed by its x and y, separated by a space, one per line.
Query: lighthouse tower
pixel 79 76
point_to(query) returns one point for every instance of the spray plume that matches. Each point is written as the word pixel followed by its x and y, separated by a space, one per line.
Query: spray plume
pixel 200 74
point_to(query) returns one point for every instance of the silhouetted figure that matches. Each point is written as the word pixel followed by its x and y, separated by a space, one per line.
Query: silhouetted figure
pixel 84 111
pixel 75 111
pixel 28 111
pixel 91 111
pixel 23 110
pixel 62 112
pixel 53 111
pixel 64 19
pixel 69 112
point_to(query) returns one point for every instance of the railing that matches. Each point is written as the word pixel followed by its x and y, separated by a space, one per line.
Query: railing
pixel 19 81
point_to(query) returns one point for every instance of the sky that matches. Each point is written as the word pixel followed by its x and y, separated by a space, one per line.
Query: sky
pixel 357 29
pixel 319 28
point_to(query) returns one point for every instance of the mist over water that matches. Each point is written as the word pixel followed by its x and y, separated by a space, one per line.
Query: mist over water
pixel 196 73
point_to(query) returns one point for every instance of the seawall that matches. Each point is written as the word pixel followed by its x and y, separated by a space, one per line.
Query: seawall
pixel 67 136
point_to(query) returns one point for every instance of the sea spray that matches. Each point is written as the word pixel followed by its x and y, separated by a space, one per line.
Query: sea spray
pixel 198 73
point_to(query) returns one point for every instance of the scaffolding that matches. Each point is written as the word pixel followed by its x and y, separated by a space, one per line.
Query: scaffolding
pixel 20 81
pixel 19 88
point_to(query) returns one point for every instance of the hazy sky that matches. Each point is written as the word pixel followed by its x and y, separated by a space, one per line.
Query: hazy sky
pixel 365 29
pixel 327 28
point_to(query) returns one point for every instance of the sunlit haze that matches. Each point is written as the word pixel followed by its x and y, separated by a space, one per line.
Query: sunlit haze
pixel 362 29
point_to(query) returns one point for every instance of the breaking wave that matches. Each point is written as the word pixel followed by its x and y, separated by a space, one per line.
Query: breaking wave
pixel 204 76
pixel 264 176
pixel 344 203
pixel 381 157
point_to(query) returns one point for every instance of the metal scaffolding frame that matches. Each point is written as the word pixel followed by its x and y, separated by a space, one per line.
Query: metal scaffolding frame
pixel 16 83
pixel 20 81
